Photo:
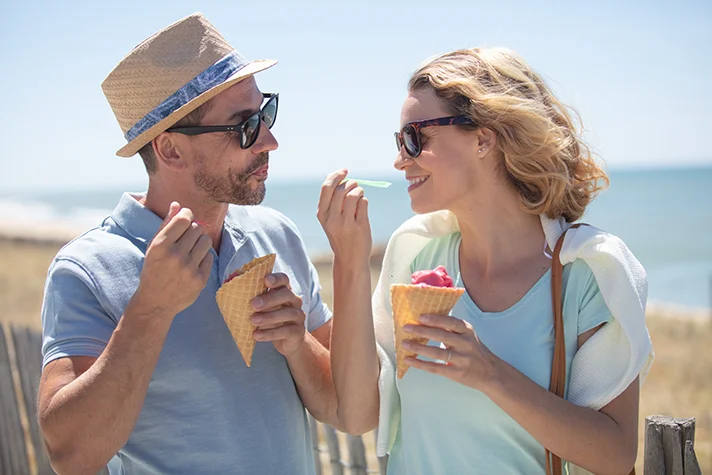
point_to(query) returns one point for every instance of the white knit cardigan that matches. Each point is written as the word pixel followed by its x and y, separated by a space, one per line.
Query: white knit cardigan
pixel 601 369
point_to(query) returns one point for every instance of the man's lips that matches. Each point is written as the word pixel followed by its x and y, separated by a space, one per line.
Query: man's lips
pixel 261 172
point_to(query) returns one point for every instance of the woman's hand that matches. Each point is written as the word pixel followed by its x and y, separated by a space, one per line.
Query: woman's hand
pixel 343 213
pixel 465 359
pixel 577 434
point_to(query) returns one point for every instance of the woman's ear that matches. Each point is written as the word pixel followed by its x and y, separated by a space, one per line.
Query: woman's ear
pixel 486 141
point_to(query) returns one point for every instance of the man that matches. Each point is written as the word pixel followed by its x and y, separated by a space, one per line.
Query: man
pixel 140 370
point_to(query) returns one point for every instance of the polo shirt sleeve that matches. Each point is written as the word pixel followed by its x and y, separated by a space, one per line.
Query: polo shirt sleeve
pixel 319 312
pixel 74 321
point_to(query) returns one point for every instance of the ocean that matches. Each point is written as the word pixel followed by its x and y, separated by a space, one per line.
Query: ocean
pixel 663 215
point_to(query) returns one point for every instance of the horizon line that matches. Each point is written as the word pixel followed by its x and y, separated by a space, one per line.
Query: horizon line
pixel 284 179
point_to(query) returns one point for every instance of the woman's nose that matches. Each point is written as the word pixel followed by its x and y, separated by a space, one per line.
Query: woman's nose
pixel 403 160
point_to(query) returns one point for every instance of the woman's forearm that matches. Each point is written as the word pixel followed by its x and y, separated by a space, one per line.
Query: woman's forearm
pixel 354 361
pixel 590 439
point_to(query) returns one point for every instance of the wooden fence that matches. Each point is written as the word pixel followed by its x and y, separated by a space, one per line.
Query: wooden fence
pixel 669 442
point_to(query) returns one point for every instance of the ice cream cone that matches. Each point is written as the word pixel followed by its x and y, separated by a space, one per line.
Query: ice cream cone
pixel 409 303
pixel 234 299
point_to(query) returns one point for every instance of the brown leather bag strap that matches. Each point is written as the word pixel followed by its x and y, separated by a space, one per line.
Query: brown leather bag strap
pixel 558 365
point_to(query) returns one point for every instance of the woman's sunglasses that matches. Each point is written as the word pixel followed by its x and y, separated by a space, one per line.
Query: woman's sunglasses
pixel 409 135
pixel 247 130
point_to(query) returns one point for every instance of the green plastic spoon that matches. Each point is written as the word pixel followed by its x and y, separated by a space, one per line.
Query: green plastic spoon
pixel 376 184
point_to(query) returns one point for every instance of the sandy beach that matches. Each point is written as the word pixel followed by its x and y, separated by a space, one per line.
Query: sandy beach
pixel 678 385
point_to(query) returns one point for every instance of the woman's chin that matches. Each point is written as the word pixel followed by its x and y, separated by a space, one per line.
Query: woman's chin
pixel 423 208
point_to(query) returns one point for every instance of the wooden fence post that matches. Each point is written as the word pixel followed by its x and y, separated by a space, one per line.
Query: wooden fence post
pixel 332 442
pixel 13 453
pixel 28 349
pixel 314 431
pixel 357 455
pixel 670 446
pixel 382 461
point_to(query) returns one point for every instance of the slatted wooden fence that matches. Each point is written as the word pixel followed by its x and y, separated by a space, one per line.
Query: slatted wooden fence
pixel 22 450
pixel 669 442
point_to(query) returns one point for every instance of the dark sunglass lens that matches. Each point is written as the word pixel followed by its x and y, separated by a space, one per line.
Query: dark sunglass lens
pixel 410 141
pixel 250 129
pixel 269 112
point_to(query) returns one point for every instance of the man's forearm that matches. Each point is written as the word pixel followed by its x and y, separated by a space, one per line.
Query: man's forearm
pixel 311 370
pixel 88 420
pixel 355 365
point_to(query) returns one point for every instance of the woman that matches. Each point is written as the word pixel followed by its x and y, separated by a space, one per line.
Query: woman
pixel 497 171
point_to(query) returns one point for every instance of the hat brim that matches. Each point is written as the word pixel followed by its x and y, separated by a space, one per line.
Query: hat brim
pixel 131 148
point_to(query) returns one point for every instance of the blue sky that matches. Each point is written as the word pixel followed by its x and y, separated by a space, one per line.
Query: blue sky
pixel 638 72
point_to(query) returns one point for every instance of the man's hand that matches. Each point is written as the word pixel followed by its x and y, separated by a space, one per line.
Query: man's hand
pixel 279 317
pixel 88 407
pixel 177 265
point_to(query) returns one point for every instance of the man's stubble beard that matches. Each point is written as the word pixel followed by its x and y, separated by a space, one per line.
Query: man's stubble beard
pixel 233 188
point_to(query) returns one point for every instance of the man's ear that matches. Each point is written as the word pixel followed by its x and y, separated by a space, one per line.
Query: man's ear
pixel 169 149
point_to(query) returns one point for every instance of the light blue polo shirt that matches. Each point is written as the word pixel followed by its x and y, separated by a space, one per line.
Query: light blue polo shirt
pixel 205 412
pixel 448 428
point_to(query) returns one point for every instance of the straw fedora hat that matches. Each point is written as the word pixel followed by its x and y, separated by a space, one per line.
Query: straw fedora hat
pixel 171 74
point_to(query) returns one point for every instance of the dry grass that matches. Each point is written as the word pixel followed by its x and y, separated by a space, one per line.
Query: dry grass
pixel 680 383
pixel 23 269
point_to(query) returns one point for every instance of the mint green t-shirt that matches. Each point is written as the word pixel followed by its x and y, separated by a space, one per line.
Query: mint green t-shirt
pixel 448 428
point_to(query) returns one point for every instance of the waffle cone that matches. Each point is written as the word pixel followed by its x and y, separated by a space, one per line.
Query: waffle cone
pixel 234 299
pixel 409 303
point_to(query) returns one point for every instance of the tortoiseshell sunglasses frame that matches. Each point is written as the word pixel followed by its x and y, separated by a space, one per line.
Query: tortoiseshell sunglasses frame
pixel 417 125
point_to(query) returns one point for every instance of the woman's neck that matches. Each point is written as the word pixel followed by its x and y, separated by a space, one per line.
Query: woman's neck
pixel 499 236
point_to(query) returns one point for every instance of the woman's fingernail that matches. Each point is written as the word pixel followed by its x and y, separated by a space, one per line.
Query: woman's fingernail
pixel 425 318
pixel 258 335
pixel 270 279
pixel 407 344
pixel 408 328
pixel 257 302
pixel 256 320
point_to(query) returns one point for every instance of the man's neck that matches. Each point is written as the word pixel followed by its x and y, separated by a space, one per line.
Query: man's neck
pixel 210 215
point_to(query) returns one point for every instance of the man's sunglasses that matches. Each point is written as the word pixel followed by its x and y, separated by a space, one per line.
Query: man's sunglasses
pixel 409 135
pixel 247 130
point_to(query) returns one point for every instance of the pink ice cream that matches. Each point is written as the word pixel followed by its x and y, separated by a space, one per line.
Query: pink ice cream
pixel 434 278
pixel 232 276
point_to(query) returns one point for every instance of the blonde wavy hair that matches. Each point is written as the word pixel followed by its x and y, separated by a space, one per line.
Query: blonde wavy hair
pixel 544 158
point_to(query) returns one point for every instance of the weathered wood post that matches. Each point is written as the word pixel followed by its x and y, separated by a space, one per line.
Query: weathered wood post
pixel 13 452
pixel 357 455
pixel 382 461
pixel 670 446
pixel 28 351
pixel 332 442
pixel 314 430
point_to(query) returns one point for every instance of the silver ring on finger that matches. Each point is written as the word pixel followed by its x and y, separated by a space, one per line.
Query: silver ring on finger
pixel 449 355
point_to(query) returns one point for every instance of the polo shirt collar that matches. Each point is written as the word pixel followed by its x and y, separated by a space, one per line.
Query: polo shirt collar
pixel 138 221
pixel 142 224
